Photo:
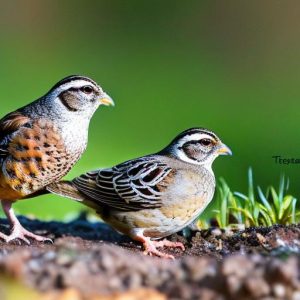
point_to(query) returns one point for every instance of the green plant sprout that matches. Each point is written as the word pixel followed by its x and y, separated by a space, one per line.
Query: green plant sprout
pixel 256 208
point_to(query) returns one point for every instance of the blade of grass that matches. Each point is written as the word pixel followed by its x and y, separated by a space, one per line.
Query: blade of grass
pixel 250 186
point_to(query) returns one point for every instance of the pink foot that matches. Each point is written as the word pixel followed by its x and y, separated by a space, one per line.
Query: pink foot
pixel 21 233
pixel 18 231
pixel 150 247
pixel 166 243
pixel 3 236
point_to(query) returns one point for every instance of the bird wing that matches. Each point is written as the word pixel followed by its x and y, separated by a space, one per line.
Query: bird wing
pixel 133 185
pixel 10 124
pixel 33 154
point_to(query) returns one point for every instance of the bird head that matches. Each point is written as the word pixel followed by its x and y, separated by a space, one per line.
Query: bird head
pixel 78 94
pixel 198 146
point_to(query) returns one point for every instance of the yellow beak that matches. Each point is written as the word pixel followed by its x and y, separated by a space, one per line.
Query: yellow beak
pixel 106 100
pixel 224 150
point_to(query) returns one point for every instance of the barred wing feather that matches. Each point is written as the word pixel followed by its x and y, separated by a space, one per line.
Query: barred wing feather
pixel 133 185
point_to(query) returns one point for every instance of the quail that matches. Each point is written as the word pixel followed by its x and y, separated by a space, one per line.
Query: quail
pixel 151 197
pixel 40 142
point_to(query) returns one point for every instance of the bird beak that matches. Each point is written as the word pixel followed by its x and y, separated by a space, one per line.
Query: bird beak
pixel 106 100
pixel 224 150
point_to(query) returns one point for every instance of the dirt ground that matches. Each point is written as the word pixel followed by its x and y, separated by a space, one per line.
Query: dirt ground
pixel 92 261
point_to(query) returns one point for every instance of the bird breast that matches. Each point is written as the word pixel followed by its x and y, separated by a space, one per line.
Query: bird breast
pixel 75 135
pixel 182 202
pixel 188 195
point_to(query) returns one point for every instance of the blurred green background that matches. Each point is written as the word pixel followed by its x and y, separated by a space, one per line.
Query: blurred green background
pixel 231 66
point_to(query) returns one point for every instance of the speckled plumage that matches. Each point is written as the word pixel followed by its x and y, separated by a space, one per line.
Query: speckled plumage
pixel 185 193
pixel 36 156
pixel 40 142
pixel 156 195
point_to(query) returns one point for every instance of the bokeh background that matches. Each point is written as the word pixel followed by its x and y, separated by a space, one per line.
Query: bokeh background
pixel 231 66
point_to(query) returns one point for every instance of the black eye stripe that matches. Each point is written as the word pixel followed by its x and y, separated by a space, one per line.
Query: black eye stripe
pixel 77 89
pixel 198 142
pixel 73 89
pixel 191 143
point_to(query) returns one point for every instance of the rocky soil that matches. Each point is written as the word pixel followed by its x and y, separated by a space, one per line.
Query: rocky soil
pixel 92 261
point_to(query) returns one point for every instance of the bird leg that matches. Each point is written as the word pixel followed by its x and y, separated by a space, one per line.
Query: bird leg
pixel 151 246
pixel 3 236
pixel 18 231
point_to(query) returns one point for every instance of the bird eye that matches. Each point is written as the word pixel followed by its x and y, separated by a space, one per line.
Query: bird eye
pixel 205 142
pixel 87 89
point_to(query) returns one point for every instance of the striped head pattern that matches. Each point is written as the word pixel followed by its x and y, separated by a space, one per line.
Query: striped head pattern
pixel 197 146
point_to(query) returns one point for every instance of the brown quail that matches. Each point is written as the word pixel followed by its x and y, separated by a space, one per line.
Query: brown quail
pixel 40 142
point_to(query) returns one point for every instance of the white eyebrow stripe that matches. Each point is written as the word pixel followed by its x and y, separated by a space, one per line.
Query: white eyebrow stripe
pixel 194 137
pixel 77 83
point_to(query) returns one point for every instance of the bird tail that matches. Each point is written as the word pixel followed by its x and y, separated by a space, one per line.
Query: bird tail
pixel 65 189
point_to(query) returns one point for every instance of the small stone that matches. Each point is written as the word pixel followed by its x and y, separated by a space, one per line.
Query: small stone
pixel 296 295
pixel 233 284
pixel 239 266
pixel 279 290
pixel 64 259
pixel 220 245
pixel 261 238
pixel 229 232
pixel 257 287
pixel 216 232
